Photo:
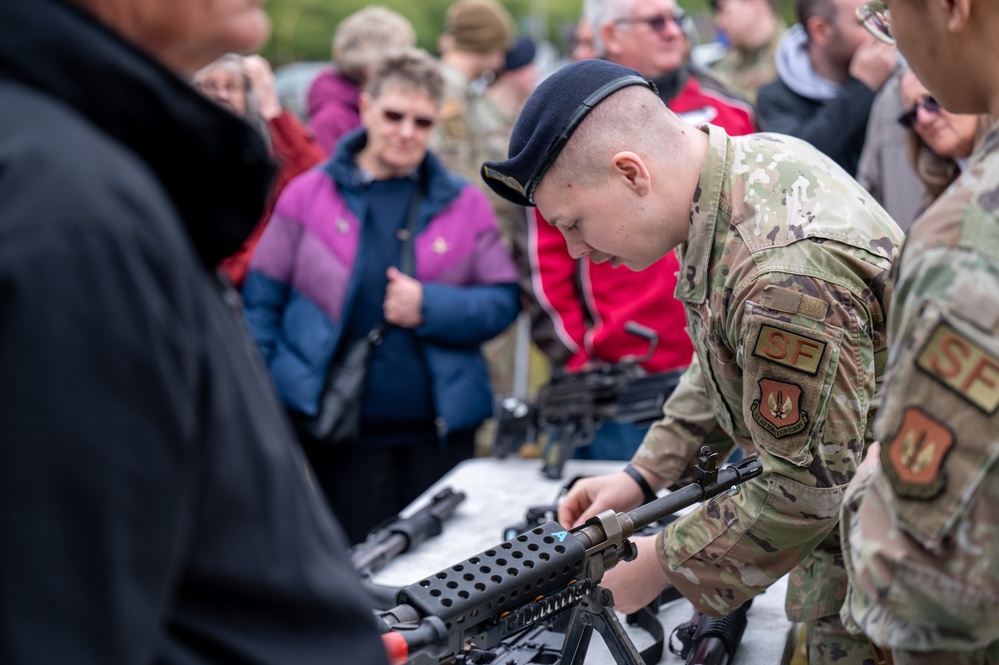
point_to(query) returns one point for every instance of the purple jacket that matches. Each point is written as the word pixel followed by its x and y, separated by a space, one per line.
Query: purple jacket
pixel 333 110
pixel 301 283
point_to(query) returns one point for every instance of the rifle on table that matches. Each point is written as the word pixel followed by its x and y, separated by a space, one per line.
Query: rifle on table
pixel 396 537
pixel 571 406
pixel 540 575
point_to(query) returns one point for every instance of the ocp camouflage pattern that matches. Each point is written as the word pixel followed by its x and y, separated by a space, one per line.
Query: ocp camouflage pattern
pixel 785 276
pixel 922 523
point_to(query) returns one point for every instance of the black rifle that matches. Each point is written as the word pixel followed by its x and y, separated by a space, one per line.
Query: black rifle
pixel 539 575
pixel 404 533
pixel 705 640
pixel 571 406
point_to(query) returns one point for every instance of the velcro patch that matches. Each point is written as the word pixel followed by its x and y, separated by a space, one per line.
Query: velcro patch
pixel 789 349
pixel 963 366
pixel 778 409
pixel 914 458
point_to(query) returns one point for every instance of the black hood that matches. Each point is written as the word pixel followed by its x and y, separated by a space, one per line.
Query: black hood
pixel 214 166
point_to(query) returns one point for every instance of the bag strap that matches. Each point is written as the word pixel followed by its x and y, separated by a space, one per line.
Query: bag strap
pixel 407 257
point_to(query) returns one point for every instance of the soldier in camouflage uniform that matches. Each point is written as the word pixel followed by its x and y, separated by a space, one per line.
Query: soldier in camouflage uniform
pixel 754 30
pixel 784 274
pixel 920 519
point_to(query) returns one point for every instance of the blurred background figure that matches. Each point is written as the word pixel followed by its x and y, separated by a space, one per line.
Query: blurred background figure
pixel 583 46
pixel 327 272
pixel 829 69
pixel 359 43
pixel 885 169
pixel 245 86
pixel 940 142
pixel 753 30
pixel 473 46
pixel 516 367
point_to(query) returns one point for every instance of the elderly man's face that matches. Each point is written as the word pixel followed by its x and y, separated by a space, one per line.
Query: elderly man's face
pixel 649 39
pixel 185 35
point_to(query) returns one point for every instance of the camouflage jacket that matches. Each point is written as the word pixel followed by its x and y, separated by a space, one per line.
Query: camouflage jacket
pixel 785 278
pixel 922 526
pixel 747 72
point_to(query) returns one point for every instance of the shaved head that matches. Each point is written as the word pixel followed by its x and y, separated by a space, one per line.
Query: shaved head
pixel 634 119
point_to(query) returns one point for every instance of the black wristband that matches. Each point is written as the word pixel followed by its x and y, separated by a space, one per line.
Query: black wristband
pixel 648 494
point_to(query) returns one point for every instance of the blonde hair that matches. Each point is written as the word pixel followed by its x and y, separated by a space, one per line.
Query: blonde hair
pixel 362 38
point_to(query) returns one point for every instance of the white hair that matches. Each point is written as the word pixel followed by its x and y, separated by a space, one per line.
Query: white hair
pixel 599 13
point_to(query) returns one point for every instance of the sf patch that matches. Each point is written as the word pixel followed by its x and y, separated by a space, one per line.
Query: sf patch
pixel 778 408
pixel 914 458
pixel 961 365
pixel 789 349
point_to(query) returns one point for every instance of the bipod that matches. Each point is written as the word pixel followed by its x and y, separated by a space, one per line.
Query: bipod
pixel 596 610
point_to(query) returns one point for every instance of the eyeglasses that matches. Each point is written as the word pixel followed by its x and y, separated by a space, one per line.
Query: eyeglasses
pixel 875 16
pixel 212 90
pixel 658 22
pixel 910 118
pixel 420 121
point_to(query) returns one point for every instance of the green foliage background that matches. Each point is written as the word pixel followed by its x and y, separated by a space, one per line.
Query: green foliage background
pixel 303 29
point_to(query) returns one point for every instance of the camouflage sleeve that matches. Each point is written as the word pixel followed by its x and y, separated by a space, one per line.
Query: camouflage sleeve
pixel 923 535
pixel 688 423
pixel 802 371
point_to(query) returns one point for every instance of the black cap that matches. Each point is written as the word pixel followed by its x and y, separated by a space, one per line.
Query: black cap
pixel 550 116
pixel 520 54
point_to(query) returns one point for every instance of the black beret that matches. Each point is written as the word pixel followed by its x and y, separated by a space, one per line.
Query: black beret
pixel 550 116
pixel 520 54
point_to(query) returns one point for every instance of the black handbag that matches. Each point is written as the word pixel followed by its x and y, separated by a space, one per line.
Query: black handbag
pixel 338 420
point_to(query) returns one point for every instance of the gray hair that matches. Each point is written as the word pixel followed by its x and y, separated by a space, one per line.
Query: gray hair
pixel 599 13
pixel 362 38
pixel 411 68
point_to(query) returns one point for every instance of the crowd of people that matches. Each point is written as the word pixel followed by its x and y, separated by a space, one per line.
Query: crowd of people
pixel 808 224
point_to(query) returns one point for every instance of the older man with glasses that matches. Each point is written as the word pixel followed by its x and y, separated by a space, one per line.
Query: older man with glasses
pixel 920 519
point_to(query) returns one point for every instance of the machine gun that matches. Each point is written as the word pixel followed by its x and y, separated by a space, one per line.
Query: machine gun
pixel 476 605
pixel 404 533
pixel 571 406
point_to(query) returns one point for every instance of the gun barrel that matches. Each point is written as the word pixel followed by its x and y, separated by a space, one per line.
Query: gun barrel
pixel 406 533
pixel 684 497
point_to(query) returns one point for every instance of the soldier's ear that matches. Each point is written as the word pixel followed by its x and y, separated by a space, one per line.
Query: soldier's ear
pixel 632 169
pixel 958 14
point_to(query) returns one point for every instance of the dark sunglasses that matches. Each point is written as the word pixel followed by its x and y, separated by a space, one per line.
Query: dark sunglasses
pixel 420 121
pixel 657 23
pixel 910 117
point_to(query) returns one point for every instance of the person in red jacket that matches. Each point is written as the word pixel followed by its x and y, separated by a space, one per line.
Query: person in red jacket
pixel 579 309
pixel 246 87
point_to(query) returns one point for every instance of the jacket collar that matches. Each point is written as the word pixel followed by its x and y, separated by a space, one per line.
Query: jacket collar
pixel 441 186
pixel 214 166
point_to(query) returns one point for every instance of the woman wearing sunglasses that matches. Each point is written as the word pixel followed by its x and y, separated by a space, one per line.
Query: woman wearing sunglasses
pixel 940 141
pixel 334 265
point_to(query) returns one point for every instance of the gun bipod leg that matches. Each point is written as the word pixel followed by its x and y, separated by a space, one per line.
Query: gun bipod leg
pixel 597 611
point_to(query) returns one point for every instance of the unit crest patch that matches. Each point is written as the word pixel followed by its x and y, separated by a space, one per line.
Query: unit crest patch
pixel 914 458
pixel 778 408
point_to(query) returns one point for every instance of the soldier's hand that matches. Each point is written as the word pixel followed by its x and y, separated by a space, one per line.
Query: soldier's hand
pixel 873 62
pixel 592 496
pixel 636 583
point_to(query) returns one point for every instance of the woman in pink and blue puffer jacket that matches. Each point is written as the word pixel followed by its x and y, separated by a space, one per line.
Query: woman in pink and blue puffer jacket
pixel 326 272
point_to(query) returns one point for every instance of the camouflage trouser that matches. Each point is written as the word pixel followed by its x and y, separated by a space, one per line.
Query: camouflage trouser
pixel 989 656
pixel 829 643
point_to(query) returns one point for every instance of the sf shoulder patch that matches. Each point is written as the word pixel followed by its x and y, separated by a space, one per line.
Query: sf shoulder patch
pixel 778 408
pixel 963 366
pixel 914 458
pixel 789 349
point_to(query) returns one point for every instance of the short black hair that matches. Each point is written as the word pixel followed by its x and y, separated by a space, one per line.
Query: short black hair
pixel 806 9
